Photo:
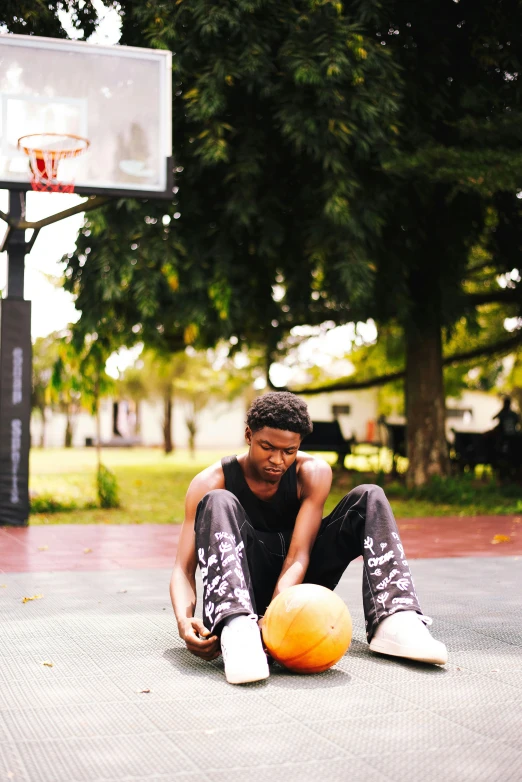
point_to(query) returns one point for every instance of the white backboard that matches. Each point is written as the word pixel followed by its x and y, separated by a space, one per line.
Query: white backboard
pixel 118 97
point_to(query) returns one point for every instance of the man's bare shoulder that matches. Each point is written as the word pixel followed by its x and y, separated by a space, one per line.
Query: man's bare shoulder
pixel 312 471
pixel 208 479
pixel 312 464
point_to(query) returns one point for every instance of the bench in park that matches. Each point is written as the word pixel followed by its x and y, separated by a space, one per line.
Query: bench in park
pixel 469 449
pixel 503 453
pixel 328 436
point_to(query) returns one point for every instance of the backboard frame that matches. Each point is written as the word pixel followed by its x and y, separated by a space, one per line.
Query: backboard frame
pixel 164 60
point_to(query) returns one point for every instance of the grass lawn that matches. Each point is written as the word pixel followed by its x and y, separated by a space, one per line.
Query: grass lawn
pixel 153 486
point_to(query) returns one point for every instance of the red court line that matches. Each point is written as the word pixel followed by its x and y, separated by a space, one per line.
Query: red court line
pixel 139 546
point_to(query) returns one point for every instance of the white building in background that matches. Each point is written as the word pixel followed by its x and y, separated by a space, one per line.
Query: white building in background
pixel 221 426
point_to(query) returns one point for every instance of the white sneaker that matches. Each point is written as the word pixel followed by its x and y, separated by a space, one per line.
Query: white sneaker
pixel 404 634
pixel 242 649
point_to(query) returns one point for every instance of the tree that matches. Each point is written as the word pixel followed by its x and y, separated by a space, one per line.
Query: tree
pixel 278 108
pixel 67 384
pixel 450 227
pixel 161 370
pixel 453 179
pixel 352 154
pixel 133 385
pixel 79 380
pixel 196 378
pixel 210 378
pixel 45 354
pixel 239 213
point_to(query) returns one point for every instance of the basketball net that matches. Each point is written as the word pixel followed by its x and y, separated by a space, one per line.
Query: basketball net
pixel 46 151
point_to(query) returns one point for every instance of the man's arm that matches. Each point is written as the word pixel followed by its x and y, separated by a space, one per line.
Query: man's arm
pixel 183 580
pixel 315 477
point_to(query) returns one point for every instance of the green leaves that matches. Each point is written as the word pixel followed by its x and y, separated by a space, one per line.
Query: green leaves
pixel 271 140
pixel 356 150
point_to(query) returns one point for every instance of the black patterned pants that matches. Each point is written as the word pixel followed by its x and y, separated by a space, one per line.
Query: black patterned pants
pixel 240 565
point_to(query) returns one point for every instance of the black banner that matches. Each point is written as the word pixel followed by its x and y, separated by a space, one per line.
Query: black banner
pixel 15 410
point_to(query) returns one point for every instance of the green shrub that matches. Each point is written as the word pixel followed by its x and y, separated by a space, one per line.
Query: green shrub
pixel 463 489
pixel 107 486
pixel 47 503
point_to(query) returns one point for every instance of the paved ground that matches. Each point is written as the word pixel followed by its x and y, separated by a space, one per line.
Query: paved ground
pixel 105 547
pixel 110 635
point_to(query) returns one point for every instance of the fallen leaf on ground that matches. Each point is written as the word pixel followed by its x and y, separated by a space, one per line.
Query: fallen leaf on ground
pixel 43 548
pixel 87 550
pixel 142 691
pixel 48 663
pixel 517 520
pixel 501 539
pixel 34 597
pixel 4 586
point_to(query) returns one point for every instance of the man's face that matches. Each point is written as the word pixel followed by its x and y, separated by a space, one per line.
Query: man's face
pixel 272 451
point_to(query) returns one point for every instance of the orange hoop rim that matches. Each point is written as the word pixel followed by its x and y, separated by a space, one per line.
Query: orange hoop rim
pixel 82 145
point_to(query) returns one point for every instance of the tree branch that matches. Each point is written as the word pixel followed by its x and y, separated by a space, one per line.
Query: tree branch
pixel 348 385
pixel 504 346
pixel 501 295
pixel 92 202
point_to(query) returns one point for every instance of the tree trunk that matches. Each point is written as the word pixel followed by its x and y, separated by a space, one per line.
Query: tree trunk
pixel 137 422
pixel 68 429
pixel 192 431
pixel 115 412
pixel 44 423
pixel 98 435
pixel 167 423
pixel 192 445
pixel 425 405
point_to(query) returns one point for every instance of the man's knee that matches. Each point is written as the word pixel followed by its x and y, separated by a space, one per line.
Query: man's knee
pixel 367 491
pixel 220 496
pixel 217 500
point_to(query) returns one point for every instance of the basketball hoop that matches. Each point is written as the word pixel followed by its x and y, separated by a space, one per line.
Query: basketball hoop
pixel 45 152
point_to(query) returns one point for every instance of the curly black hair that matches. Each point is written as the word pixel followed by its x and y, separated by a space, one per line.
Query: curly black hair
pixel 280 410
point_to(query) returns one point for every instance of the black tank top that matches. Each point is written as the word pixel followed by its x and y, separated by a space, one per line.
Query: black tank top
pixel 274 515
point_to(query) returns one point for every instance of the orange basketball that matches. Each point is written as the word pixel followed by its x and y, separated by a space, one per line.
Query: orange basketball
pixel 307 628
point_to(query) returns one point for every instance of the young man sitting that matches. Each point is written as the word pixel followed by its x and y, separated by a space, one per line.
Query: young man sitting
pixel 254 524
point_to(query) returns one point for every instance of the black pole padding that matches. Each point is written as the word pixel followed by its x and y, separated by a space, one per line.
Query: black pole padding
pixel 15 410
pixel 15 378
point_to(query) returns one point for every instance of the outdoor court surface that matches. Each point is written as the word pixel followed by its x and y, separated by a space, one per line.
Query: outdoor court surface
pixel 106 623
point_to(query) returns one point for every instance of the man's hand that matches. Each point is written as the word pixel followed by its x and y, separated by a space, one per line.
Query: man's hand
pixel 198 639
